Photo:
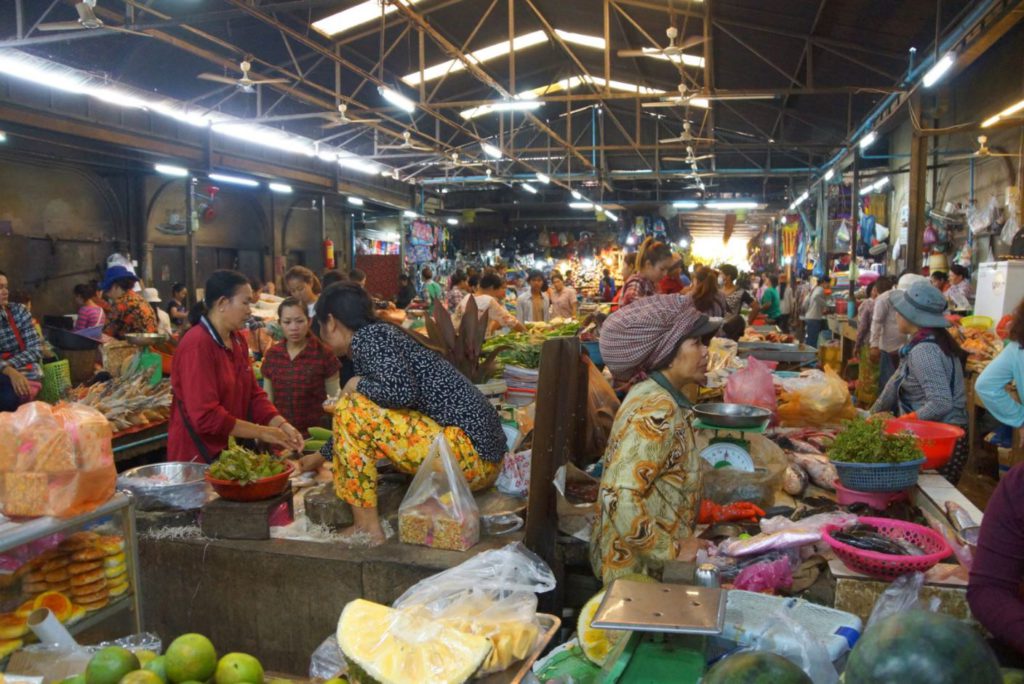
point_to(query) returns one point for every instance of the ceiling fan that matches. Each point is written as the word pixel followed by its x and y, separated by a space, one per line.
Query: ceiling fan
pixel 672 50
pixel 341 118
pixel 246 82
pixel 87 20
pixel 983 151
pixel 334 118
pixel 454 161
pixel 690 157
pixel 687 137
pixel 407 144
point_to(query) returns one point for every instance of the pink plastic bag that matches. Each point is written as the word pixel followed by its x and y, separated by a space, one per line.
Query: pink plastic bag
pixel 752 385
pixel 765 577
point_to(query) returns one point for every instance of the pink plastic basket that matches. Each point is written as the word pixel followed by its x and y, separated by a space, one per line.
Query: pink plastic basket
pixel 884 565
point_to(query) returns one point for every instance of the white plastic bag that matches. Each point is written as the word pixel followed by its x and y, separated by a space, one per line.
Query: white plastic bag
pixel 439 509
pixel 900 596
pixel 791 640
pixel 981 215
pixel 1010 228
pixel 493 594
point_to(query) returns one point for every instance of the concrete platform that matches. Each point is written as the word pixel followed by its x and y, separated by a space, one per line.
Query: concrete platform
pixel 276 599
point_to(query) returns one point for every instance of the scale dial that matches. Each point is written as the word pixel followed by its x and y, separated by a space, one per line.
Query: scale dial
pixel 728 455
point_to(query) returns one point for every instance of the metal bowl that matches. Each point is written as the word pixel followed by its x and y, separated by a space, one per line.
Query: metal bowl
pixel 145 339
pixel 162 486
pixel 732 415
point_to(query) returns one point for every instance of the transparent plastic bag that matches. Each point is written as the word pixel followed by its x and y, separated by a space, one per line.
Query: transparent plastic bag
pixel 816 398
pixel 788 638
pixel 900 596
pixel 981 215
pixel 493 594
pixel 327 661
pixel 514 478
pixel 56 461
pixel 752 385
pixel 768 576
pixel 439 510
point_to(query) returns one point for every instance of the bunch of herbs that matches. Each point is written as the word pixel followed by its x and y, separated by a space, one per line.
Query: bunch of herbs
pixel 865 441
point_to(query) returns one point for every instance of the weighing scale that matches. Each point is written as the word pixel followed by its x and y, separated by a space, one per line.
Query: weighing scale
pixel 146 358
pixel 728 451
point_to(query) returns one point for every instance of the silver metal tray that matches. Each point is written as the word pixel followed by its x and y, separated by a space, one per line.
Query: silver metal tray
pixel 173 485
pixel 732 415
pixel 675 608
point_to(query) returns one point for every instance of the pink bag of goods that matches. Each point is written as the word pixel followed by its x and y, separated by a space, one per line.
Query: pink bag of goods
pixel 752 385
pixel 55 461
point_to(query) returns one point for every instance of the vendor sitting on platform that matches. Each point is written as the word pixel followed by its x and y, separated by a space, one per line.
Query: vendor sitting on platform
pixel 929 381
pixel 651 488
pixel 21 352
pixel 129 312
pixel 403 396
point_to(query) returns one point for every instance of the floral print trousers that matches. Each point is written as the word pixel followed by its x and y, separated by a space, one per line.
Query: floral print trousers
pixel 365 433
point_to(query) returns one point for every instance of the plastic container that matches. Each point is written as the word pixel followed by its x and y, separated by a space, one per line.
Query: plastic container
pixel 982 323
pixel 267 488
pixel 877 500
pixel 937 440
pixel 879 477
pixel 884 565
pixel 594 352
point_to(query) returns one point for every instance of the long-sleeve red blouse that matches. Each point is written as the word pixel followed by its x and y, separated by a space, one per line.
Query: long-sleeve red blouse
pixel 214 387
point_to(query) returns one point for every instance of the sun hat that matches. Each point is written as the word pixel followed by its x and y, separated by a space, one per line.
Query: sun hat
pixel 921 304
pixel 908 279
pixel 151 295
pixel 640 337
pixel 115 273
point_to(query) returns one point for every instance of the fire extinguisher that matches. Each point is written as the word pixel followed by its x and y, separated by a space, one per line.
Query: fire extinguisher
pixel 328 253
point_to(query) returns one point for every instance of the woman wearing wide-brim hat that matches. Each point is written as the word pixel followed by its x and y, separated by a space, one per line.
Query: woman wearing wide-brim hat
pixel 929 381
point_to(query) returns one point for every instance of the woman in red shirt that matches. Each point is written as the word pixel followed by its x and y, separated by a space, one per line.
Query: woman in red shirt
pixel 299 373
pixel 215 392
pixel 653 260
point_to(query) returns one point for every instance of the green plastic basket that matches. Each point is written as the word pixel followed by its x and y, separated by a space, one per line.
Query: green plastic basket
pixel 56 380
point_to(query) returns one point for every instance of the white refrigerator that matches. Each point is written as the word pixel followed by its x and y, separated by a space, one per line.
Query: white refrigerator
pixel 1000 288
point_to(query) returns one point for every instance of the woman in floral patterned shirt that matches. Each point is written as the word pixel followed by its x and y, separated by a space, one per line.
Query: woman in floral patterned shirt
pixel 651 487
pixel 130 313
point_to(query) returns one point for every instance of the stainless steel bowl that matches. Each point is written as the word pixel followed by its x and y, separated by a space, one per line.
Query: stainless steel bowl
pixel 162 486
pixel 145 339
pixel 732 415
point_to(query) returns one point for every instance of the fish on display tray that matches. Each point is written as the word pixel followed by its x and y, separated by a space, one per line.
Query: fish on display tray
pixel 817 466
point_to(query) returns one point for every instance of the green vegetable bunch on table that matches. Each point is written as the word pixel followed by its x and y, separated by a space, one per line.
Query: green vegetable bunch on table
pixel 243 465
pixel 524 348
pixel 866 442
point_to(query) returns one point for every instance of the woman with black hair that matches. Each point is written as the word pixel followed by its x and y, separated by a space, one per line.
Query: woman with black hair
pixel 735 294
pixel 129 312
pixel 176 308
pixel 650 265
pixel 402 397
pixel 929 381
pixel 216 395
pixel 90 311
pixel 534 305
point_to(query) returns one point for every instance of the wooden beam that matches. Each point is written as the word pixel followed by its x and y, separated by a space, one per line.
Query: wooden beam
pixel 917 193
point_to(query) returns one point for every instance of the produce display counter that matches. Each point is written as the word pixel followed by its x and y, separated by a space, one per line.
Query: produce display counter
pixel 277 598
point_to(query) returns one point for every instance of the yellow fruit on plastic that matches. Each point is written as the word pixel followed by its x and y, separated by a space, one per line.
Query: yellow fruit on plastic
pixel 190 657
pixel 596 643
pixel 397 647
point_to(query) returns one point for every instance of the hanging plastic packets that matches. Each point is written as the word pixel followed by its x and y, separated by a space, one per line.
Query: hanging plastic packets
pixel 980 216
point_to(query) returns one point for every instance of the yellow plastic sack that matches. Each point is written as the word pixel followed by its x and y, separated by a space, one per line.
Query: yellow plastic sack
pixel 816 398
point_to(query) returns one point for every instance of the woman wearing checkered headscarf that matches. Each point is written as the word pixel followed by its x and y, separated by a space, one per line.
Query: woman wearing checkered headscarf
pixel 651 486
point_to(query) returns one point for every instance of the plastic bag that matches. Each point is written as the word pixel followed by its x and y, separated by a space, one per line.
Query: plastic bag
pixel 327 661
pixel 1010 228
pixel 981 216
pixel 55 461
pixel 900 596
pixel 780 523
pixel 493 594
pixel 816 398
pixel 753 385
pixel 514 478
pixel 602 405
pixel 766 576
pixel 439 510
pixel 789 639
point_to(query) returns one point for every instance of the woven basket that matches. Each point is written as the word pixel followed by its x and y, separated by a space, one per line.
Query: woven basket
pixel 878 477
pixel 56 380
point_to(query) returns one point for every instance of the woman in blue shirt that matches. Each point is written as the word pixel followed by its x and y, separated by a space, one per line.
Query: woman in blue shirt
pixel 1007 368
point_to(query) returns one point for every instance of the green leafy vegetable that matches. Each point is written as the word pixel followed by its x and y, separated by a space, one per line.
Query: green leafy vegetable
pixel 865 441
pixel 244 465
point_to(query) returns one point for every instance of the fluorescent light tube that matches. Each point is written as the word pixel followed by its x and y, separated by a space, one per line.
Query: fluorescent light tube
pixel 409 214
pixel 686 204
pixel 867 140
pixel 576 195
pixel 529 188
pixel 3 137
pixel 939 70
pixel 355 201
pixel 283 188
pixel 830 174
pixel 510 106
pixel 452 222
pixel 581 205
pixel 490 150
pixel 1005 114
pixel 731 204
pixel 360 14
pixel 543 178
pixel 168 170
pixel 610 215
pixel 234 180
pixel 398 99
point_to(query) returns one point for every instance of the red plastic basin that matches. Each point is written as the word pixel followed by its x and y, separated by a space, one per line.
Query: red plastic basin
pixel 937 440
pixel 260 490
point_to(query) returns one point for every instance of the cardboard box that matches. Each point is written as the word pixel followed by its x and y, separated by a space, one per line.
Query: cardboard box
pixel 1008 458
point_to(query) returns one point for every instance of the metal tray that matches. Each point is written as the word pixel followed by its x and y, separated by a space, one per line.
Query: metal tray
pixel 184 486
pixel 732 415
pixel 777 351
pixel 675 608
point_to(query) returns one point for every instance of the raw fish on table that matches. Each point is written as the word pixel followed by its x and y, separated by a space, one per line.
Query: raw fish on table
pixel 818 468
pixel 794 480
